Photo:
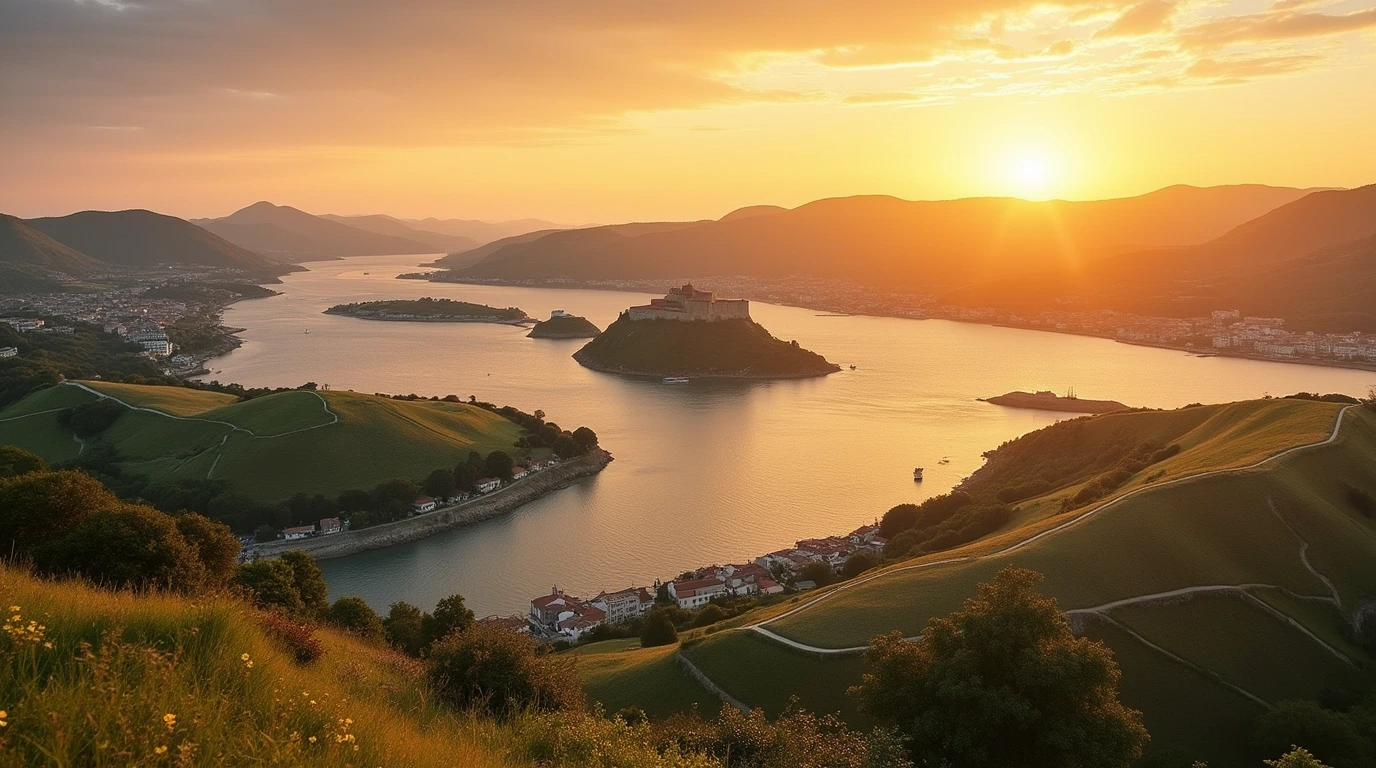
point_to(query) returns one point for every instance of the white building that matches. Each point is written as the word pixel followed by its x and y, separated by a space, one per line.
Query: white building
pixel 695 593
pixel 422 505
pixel 8 351
pixel 488 484
pixel 23 323
pixel 299 532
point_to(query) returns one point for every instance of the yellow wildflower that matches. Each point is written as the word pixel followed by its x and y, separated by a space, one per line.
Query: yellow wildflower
pixel 4 718
pixel 244 657
pixel 160 750
pixel 170 720
pixel 312 739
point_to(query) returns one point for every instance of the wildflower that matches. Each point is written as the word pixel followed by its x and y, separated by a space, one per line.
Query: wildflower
pixel 160 750
pixel 244 657
pixel 170 720
pixel 312 739
pixel 14 608
pixel 4 718
pixel 248 664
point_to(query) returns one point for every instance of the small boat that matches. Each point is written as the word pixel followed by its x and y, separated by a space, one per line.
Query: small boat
pixel 308 330
pixel 852 367
pixel 675 380
pixel 917 474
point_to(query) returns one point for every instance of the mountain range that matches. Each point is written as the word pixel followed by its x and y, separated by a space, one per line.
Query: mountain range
pixel 922 245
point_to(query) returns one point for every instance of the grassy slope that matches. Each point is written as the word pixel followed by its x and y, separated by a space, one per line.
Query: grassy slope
pixel 376 439
pixel 618 673
pixel 671 347
pixel 160 655
pixel 1210 531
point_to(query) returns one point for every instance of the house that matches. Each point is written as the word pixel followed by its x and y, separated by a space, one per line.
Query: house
pixel 330 525
pixel 590 618
pixel 8 351
pixel 23 324
pixel 488 484
pixel 422 505
pixel 695 593
pixel 862 535
pixel 565 614
pixel 518 472
pixel 516 623
pixel 803 586
pixel 769 587
pixel 620 606
pixel 299 532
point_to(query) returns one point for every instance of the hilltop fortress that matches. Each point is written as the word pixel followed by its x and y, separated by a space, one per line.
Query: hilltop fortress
pixel 688 303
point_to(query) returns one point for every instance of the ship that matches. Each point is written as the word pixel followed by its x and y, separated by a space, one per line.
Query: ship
pixel 917 474
pixel 675 380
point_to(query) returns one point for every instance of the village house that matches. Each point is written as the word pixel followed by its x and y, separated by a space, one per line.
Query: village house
pixel 8 351
pixel 298 532
pixel 624 605
pixel 518 472
pixel 565 614
pixel 488 485
pixel 422 505
pixel 330 525
pixel 695 593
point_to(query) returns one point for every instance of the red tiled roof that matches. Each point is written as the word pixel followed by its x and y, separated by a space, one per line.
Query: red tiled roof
pixel 300 529
pixel 424 500
pixel 690 588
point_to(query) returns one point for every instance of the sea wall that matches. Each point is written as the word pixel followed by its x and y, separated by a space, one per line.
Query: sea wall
pixel 499 502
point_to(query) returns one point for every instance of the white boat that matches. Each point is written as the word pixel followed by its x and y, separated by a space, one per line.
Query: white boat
pixel 917 474
pixel 675 380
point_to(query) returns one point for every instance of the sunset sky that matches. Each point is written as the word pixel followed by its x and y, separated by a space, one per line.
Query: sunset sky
pixel 602 111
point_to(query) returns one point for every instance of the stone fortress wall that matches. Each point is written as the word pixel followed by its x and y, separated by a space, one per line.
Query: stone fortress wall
pixel 686 303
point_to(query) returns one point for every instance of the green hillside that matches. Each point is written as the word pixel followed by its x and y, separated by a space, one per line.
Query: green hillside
pixel 1221 594
pixel 617 673
pixel 270 447
pixel 726 348
pixel 21 244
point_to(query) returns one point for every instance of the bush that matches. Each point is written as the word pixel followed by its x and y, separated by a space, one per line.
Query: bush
pixel 271 584
pixel 502 672
pixel 16 461
pixel 405 628
pixel 857 564
pixel 41 507
pixel 295 638
pixel 1333 736
pixel 90 419
pixel 1017 493
pixel 451 615
pixel 658 630
pixel 215 546
pixel 897 520
pixel 711 614
pixel 821 574
pixel 129 547
pixel 353 614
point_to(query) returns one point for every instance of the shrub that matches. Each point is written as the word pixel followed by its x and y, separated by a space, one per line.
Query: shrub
pixel 451 615
pixel 502 672
pixel 129 547
pixel 353 614
pixel 1165 453
pixel 309 582
pixel 295 638
pixel 658 630
pixel 1016 493
pixel 404 627
pixel 820 574
pixel 1333 736
pixel 271 584
pixel 90 419
pixel 711 614
pixel 40 507
pixel 16 461
pixel 897 520
pixel 215 546
pixel 857 564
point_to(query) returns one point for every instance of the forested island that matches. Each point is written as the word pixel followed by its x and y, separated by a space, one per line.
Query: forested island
pixel 734 348
pixel 564 326
pixel 429 310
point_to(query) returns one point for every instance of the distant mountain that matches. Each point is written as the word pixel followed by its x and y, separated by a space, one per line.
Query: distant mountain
pixel 483 231
pixel 1312 261
pixel 751 211
pixel 926 245
pixel 144 238
pixel 573 239
pixel 21 244
pixel 386 225
pixel 292 234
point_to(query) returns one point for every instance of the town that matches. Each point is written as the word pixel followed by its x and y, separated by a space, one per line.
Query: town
pixel 558 616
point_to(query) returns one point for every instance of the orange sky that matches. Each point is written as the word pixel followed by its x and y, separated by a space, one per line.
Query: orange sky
pixel 612 110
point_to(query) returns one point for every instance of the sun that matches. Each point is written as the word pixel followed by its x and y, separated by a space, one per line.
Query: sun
pixel 1031 174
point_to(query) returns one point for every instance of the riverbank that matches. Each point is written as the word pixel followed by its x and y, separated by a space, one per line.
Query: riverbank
pixel 622 371
pixel 499 502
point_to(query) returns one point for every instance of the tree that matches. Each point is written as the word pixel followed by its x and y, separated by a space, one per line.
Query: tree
pixel 897 520
pixel 1333 735
pixel 398 490
pixel 272 584
pixel 818 573
pixel 857 564
pixel 585 438
pixel 1297 757
pixel 16 461
pixel 309 581
pixel 502 672
pixel 264 533
pixel 353 500
pixel 451 615
pixel 465 479
pixel 404 626
pixel 1002 681
pixel 131 546
pixel 499 464
pixel 215 546
pixel 710 614
pixel 90 419
pixel 564 447
pixel 439 484
pixel 353 614
pixel 41 507
pixel 658 630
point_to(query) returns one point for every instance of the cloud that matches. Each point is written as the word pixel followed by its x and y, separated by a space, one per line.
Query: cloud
pixel 1244 69
pixel 1274 25
pixel 1144 18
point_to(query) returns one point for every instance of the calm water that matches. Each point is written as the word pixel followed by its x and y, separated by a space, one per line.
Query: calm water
pixel 704 472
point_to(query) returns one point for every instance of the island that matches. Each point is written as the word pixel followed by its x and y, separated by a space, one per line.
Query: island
pixel 1050 401
pixel 428 310
pixel 691 334
pixel 562 325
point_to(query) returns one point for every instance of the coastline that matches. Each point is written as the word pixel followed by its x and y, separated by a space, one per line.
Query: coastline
pixel 618 370
pixel 1197 351
pixel 500 502
pixel 405 319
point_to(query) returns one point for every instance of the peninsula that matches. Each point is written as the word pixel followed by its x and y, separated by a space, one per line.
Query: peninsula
pixel 1050 401
pixel 691 333
pixel 562 325
pixel 428 310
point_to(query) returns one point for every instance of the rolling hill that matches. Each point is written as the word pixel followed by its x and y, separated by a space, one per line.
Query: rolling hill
pixel 1225 578
pixel 920 245
pixel 484 232
pixel 139 238
pixel 290 233
pixel 386 225
pixel 22 244
pixel 269 447
pixel 1309 261
pixel 736 348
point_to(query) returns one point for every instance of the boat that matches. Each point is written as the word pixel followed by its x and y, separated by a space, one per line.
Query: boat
pixel 917 474
pixel 675 380
pixel 308 330
pixel 852 367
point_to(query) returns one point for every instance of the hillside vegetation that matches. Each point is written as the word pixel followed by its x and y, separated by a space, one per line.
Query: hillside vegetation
pixel 725 348
pixel 268 448
pixel 1221 594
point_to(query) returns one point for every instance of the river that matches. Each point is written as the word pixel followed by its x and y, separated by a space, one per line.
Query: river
pixel 706 472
